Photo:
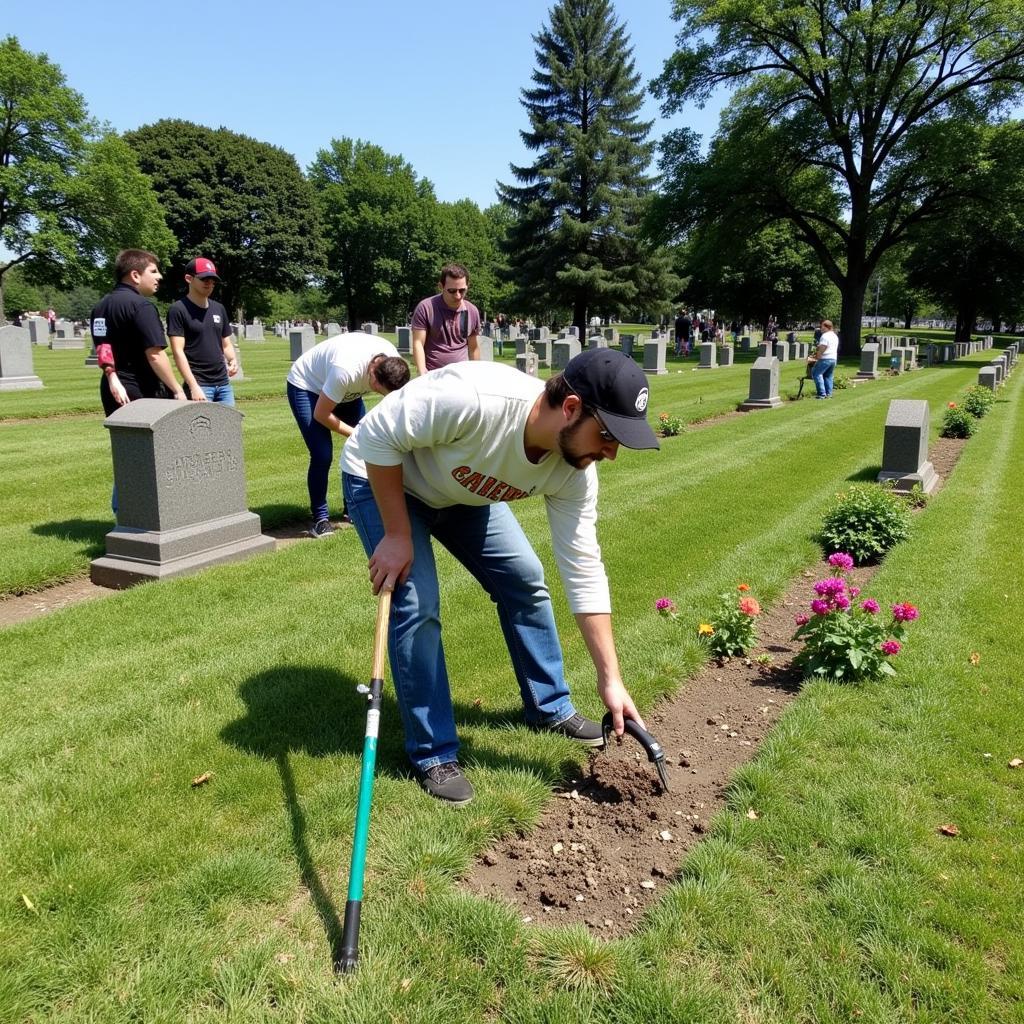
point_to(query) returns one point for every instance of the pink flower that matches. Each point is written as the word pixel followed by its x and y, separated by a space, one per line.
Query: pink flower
pixel 820 607
pixel 842 602
pixel 802 620
pixel 665 604
pixel 904 612
pixel 854 591
pixel 830 588
pixel 749 606
pixel 891 647
pixel 840 561
pixel 870 606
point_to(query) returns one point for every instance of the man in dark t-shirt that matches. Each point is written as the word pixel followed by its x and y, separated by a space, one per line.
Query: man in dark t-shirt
pixel 129 337
pixel 683 326
pixel 201 337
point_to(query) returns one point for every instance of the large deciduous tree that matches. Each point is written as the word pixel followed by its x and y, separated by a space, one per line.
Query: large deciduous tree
pixel 574 242
pixel 972 262
pixel 242 203
pixel 71 195
pixel 848 117
pixel 379 229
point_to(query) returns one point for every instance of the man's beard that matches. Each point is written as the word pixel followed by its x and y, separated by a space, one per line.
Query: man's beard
pixel 578 460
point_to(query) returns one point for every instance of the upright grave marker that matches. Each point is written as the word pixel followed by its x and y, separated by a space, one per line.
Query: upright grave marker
pixel 764 385
pixel 654 357
pixel 180 476
pixel 563 351
pixel 868 363
pixel 905 448
pixel 16 372
pixel 708 356
pixel 301 339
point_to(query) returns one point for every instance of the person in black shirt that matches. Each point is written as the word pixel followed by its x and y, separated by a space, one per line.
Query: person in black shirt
pixel 200 337
pixel 129 337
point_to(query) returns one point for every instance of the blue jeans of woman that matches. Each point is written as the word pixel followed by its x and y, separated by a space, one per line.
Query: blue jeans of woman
pixel 821 373
pixel 320 442
pixel 491 544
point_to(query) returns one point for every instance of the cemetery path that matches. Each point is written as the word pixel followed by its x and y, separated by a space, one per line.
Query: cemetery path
pixel 611 841
pixel 24 607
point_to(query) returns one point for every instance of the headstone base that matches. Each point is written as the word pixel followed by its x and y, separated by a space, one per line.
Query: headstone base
pixel 136 556
pixel 867 375
pixel 926 477
pixel 20 383
pixel 761 403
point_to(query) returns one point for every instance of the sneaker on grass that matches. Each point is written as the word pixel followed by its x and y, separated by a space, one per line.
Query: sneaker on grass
pixel 446 782
pixel 581 730
pixel 321 528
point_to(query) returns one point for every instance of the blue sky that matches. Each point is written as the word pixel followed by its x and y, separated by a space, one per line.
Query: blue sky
pixel 437 83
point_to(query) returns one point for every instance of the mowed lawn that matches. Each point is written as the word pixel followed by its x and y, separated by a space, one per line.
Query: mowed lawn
pixel 129 895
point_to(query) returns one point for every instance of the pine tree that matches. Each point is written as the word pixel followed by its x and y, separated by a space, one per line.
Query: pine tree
pixel 574 242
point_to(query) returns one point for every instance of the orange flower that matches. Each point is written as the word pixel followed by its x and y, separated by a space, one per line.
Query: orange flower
pixel 952 405
pixel 743 587
pixel 749 606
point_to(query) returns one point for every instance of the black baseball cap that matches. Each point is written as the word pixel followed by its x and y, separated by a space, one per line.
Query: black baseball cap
pixel 616 387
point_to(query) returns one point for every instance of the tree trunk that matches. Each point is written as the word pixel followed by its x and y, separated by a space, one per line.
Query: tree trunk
pixel 851 315
pixel 579 318
pixel 966 317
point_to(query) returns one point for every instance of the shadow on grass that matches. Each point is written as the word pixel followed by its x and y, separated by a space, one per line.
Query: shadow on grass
pixel 90 533
pixel 281 515
pixel 865 475
pixel 317 712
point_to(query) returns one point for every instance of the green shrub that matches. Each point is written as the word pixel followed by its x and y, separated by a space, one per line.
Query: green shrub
pixel 957 422
pixel 865 522
pixel 670 426
pixel 978 400
pixel 840 383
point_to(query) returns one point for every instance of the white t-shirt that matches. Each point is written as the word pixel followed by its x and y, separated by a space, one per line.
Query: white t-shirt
pixel 340 366
pixel 831 342
pixel 458 433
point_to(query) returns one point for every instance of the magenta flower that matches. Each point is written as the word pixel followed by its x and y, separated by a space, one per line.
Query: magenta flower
pixel 665 604
pixel 840 561
pixel 820 607
pixel 904 612
pixel 870 606
pixel 802 620
pixel 891 647
pixel 854 591
pixel 830 588
pixel 842 602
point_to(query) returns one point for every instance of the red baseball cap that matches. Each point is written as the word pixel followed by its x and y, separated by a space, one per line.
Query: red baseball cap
pixel 202 268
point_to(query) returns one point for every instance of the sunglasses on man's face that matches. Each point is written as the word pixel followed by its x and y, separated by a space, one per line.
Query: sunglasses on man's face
pixel 602 429
pixel 456 291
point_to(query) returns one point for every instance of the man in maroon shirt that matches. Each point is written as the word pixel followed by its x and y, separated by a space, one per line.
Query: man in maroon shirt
pixel 445 326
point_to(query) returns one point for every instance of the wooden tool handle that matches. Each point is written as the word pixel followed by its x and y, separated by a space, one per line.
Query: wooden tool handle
pixel 380 638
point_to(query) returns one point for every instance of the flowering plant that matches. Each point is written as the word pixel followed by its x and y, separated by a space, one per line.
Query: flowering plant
pixel 731 629
pixel 670 426
pixel 957 422
pixel 845 638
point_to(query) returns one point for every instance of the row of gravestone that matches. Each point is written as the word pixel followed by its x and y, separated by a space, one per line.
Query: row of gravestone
pixel 994 375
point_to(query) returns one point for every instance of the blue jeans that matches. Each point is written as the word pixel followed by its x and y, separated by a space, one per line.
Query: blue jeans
pixel 490 543
pixel 222 393
pixel 320 442
pixel 821 374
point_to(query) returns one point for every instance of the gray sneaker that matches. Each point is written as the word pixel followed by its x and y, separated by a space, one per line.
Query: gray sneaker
pixel 579 729
pixel 321 528
pixel 446 782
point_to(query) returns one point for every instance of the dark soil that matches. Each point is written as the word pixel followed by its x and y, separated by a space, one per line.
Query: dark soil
pixel 611 840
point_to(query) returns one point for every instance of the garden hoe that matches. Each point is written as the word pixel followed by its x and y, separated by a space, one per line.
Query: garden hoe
pixel 349 956
pixel 654 752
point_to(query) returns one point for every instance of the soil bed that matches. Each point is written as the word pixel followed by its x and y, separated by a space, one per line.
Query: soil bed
pixel 611 840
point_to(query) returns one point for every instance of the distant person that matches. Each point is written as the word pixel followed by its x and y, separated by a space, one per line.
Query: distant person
pixel 200 337
pixel 445 327
pixel 325 388
pixel 825 357
pixel 51 319
pixel 683 327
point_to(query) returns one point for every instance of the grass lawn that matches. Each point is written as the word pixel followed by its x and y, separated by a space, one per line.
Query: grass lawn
pixel 130 896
